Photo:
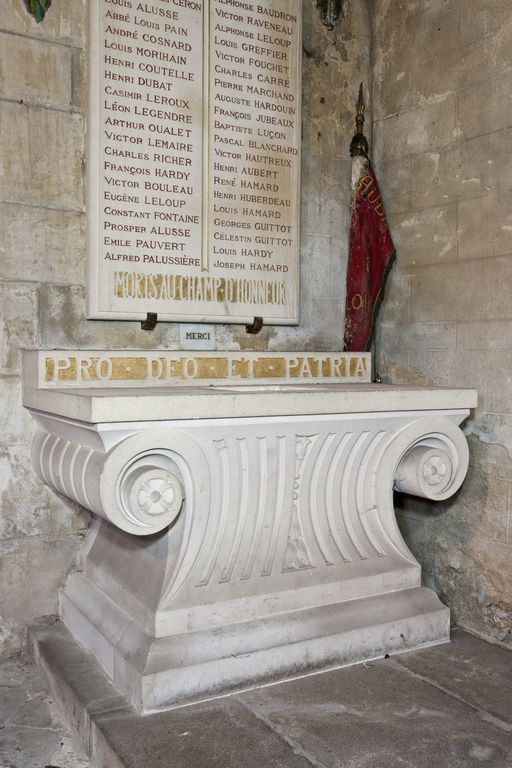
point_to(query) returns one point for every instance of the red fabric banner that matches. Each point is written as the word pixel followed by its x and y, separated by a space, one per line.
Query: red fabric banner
pixel 371 254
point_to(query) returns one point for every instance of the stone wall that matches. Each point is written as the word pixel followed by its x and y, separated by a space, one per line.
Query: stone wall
pixel 42 257
pixel 443 148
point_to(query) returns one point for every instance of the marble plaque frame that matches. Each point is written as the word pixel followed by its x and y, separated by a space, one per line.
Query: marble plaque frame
pixel 283 292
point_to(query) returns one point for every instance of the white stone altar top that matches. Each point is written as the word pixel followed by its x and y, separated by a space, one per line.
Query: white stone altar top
pixel 116 398
pixel 93 404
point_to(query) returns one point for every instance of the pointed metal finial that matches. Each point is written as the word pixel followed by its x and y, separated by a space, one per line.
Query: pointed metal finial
pixel 359 143
pixel 361 106
pixel 330 11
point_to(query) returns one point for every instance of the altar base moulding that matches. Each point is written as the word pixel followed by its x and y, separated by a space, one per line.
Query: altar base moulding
pixel 243 533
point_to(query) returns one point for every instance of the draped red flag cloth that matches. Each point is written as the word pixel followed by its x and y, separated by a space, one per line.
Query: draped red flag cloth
pixel 371 254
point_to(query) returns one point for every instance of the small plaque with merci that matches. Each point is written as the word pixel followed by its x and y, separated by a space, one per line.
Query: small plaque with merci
pixel 195 336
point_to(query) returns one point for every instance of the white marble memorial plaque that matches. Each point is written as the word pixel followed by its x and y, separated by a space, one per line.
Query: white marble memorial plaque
pixel 194 160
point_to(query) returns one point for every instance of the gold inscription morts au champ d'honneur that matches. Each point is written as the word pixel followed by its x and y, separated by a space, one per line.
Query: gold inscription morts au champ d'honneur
pixel 194 160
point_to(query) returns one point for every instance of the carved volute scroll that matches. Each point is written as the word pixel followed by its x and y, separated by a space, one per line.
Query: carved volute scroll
pixel 140 493
pixel 435 466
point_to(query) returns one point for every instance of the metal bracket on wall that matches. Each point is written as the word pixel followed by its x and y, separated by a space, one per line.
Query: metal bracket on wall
pixel 37 8
pixel 330 11
pixel 149 324
pixel 256 326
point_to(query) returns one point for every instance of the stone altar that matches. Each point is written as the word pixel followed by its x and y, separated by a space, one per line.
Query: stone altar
pixel 244 532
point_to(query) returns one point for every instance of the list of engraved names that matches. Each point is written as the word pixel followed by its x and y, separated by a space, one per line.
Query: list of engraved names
pixel 194 161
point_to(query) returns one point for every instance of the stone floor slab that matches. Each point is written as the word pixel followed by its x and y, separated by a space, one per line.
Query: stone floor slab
pixel 478 672
pixel 32 734
pixel 380 716
pixel 27 747
pixel 11 673
pixel 444 707
pixel 34 712
pixel 214 734
pixel 11 699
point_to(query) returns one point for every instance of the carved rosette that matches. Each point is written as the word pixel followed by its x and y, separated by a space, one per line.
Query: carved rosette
pixel 150 492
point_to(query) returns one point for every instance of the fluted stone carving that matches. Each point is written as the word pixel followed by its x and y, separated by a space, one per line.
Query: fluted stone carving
pixel 140 494
pixel 238 546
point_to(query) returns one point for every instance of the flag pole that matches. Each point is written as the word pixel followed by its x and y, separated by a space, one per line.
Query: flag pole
pixel 359 144
pixel 359 154
pixel 360 162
